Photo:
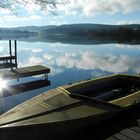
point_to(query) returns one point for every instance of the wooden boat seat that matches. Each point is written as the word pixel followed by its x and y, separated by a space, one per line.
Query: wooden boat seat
pixel 92 101
pixel 107 96
pixel 96 103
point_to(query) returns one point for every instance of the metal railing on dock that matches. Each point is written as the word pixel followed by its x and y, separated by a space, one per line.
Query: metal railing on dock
pixel 9 61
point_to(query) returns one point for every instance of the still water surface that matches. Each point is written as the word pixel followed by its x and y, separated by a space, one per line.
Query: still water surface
pixel 69 63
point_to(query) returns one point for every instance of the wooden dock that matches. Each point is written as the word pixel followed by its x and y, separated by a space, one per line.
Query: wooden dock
pixel 125 126
pixel 25 72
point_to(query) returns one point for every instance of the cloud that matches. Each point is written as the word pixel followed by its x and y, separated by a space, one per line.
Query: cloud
pixel 71 13
pixel 42 61
pixel 18 19
pixel 128 22
pixel 85 60
pixel 58 22
pixel 128 46
pixel 31 61
pixel 48 57
pixel 4 11
pixel 106 62
pixel 79 10
pixel 36 50
pixel 35 17
pixel 12 20
pixel 1 49
pixel 31 6
pixel 94 7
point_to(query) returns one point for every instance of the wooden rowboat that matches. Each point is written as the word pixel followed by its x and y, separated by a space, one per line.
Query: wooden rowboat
pixel 71 107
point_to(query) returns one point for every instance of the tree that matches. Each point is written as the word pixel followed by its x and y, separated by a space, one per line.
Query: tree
pixel 13 5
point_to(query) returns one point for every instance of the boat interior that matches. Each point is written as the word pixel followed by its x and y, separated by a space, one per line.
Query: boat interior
pixel 108 88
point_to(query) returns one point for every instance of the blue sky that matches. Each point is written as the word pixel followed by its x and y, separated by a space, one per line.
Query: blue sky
pixel 76 11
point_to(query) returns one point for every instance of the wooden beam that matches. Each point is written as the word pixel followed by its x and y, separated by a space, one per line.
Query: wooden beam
pixel 25 72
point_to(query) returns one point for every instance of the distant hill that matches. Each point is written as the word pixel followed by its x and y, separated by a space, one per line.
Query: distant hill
pixel 91 31
pixel 81 27
pixel 30 28
pixel 15 34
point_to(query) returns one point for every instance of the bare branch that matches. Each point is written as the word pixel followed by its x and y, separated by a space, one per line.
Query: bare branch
pixel 46 5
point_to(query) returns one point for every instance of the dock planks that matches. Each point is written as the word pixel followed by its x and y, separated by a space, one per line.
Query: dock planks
pixel 126 127
pixel 24 72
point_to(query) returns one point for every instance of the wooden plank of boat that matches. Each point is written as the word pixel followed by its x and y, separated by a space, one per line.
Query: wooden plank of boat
pixel 52 106
pixel 120 136
pixel 25 72
pixel 97 103
pixel 93 101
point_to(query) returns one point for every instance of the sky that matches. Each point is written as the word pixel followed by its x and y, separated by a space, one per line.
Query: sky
pixel 112 12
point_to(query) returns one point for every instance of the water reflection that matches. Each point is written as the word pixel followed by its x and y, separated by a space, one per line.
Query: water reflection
pixel 83 40
pixel 106 58
pixel 24 87
pixel 3 84
pixel 106 62
pixel 69 63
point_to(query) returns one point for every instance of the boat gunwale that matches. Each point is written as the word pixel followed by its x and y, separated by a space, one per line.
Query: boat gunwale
pixel 91 81
pixel 117 76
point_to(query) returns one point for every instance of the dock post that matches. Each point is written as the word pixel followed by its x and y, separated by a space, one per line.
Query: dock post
pixel 10 51
pixel 10 48
pixel 46 76
pixel 16 53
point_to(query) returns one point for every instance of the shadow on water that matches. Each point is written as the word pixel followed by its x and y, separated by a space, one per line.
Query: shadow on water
pixel 23 87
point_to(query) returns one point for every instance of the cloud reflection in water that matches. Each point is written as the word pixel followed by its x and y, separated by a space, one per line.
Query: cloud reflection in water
pixel 80 59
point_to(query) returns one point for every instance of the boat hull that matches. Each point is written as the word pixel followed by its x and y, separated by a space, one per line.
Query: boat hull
pixel 60 130
pixel 69 110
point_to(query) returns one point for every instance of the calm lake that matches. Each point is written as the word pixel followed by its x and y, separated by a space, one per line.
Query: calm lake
pixel 68 63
